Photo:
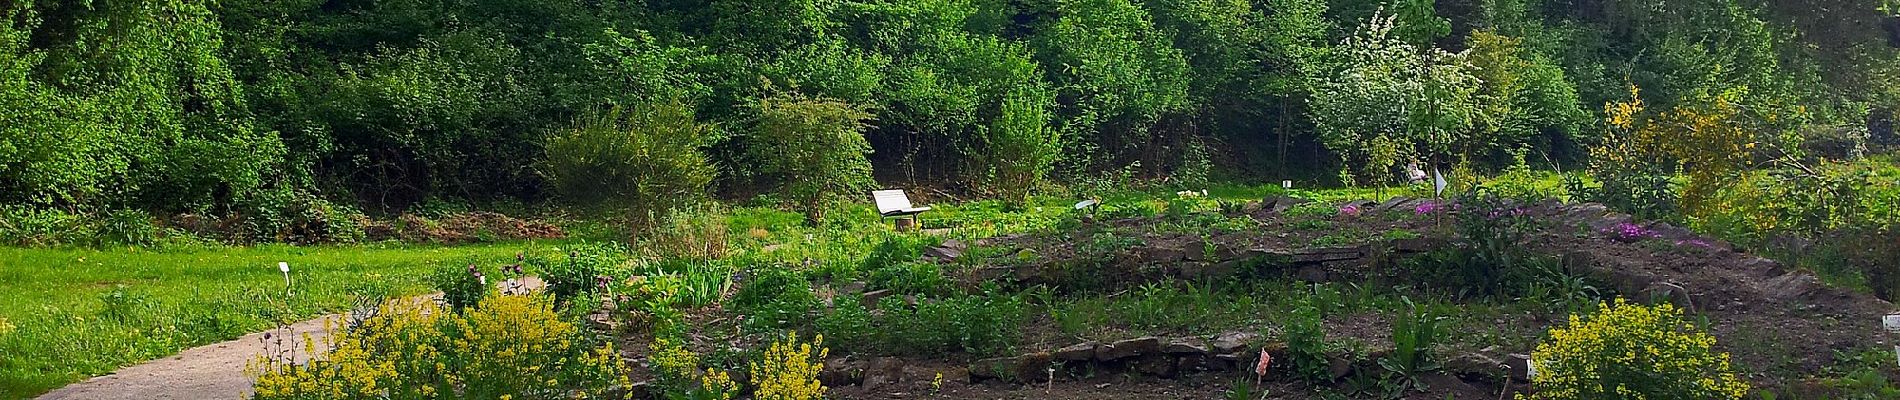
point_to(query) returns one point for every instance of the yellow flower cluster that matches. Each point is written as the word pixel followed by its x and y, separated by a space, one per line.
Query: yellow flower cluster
pixel 507 347
pixel 1631 351
pixel 789 370
pixel 674 368
pixel 6 327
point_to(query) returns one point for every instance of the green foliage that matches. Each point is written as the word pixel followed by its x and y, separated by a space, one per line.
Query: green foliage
pixel 1122 72
pixel 646 160
pixel 816 147
pixel 976 324
pixel 581 271
pixel 1413 334
pixel 1306 344
pixel 462 286
pixel 1631 350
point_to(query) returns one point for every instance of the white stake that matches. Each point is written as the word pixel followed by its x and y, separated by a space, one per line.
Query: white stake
pixel 285 267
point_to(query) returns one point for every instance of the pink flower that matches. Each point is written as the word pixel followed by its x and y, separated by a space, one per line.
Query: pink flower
pixel 1425 208
pixel 1349 210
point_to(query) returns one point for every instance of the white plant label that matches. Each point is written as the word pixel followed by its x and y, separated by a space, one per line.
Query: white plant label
pixel 283 266
pixel 1288 185
pixel 1891 322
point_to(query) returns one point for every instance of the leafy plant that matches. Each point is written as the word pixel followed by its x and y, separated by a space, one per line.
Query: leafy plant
pixel 512 346
pixel 789 370
pixel 1413 334
pixel 816 146
pixel 1631 350
pixel 461 286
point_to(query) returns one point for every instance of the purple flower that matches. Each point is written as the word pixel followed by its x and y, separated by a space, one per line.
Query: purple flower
pixel 1426 208
pixel 1349 210
pixel 1629 232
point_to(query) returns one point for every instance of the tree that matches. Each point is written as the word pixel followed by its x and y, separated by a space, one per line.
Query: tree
pixel 1388 102
pixel 815 147
pixel 1120 73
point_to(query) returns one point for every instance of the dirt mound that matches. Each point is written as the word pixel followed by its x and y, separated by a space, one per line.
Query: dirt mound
pixel 460 228
pixel 1780 324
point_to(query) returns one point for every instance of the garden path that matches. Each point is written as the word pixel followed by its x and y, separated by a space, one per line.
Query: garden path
pixel 210 372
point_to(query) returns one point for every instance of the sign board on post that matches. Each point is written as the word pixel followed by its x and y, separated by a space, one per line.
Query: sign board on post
pixel 1438 183
pixel 1891 322
pixel 285 268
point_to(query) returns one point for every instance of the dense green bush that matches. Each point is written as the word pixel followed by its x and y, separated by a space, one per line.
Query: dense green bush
pixel 816 147
pixel 585 268
pixel 645 159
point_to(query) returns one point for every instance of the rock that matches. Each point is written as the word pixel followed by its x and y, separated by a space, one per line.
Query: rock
pixel 1222 269
pixel 1077 352
pixel 871 298
pixel 943 253
pixel 1520 366
pixel 1128 348
pixel 1391 204
pixel 1677 295
pixel 883 371
pixel 1031 367
pixel 1156 365
pixel 1196 251
pixel 842 372
pixel 1282 203
pixel 1792 285
pixel 854 288
pixel 641 390
pixel 1185 345
pixel 1474 363
pixel 1234 342
pixel 1338 367
pixel 1161 255
pixel 1312 274
pixel 1192 270
pixel 1203 362
pixel 602 322
pixel 1419 245
pixel 1328 254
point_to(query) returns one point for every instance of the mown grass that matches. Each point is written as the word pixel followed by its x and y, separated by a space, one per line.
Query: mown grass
pixel 78 313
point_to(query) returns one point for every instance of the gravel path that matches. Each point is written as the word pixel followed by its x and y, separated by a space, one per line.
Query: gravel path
pixel 213 371
pixel 210 372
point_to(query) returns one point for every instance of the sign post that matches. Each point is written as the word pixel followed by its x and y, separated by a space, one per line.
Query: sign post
pixel 285 267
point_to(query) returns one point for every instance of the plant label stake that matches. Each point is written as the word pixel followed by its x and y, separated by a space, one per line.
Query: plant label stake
pixel 1286 184
pixel 285 268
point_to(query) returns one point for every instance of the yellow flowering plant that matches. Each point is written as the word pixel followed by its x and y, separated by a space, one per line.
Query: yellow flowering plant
pixel 677 375
pixel 789 370
pixel 1632 351
pixel 506 347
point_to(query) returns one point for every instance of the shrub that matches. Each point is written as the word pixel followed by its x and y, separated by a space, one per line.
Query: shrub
pixel 677 375
pixel 1305 337
pixel 980 325
pixel 816 146
pixel 789 370
pixel 509 346
pixel 585 269
pixel 461 287
pixel 646 159
pixel 1633 351
pixel 696 232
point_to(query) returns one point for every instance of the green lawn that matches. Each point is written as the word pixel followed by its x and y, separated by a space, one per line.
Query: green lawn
pixel 79 313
